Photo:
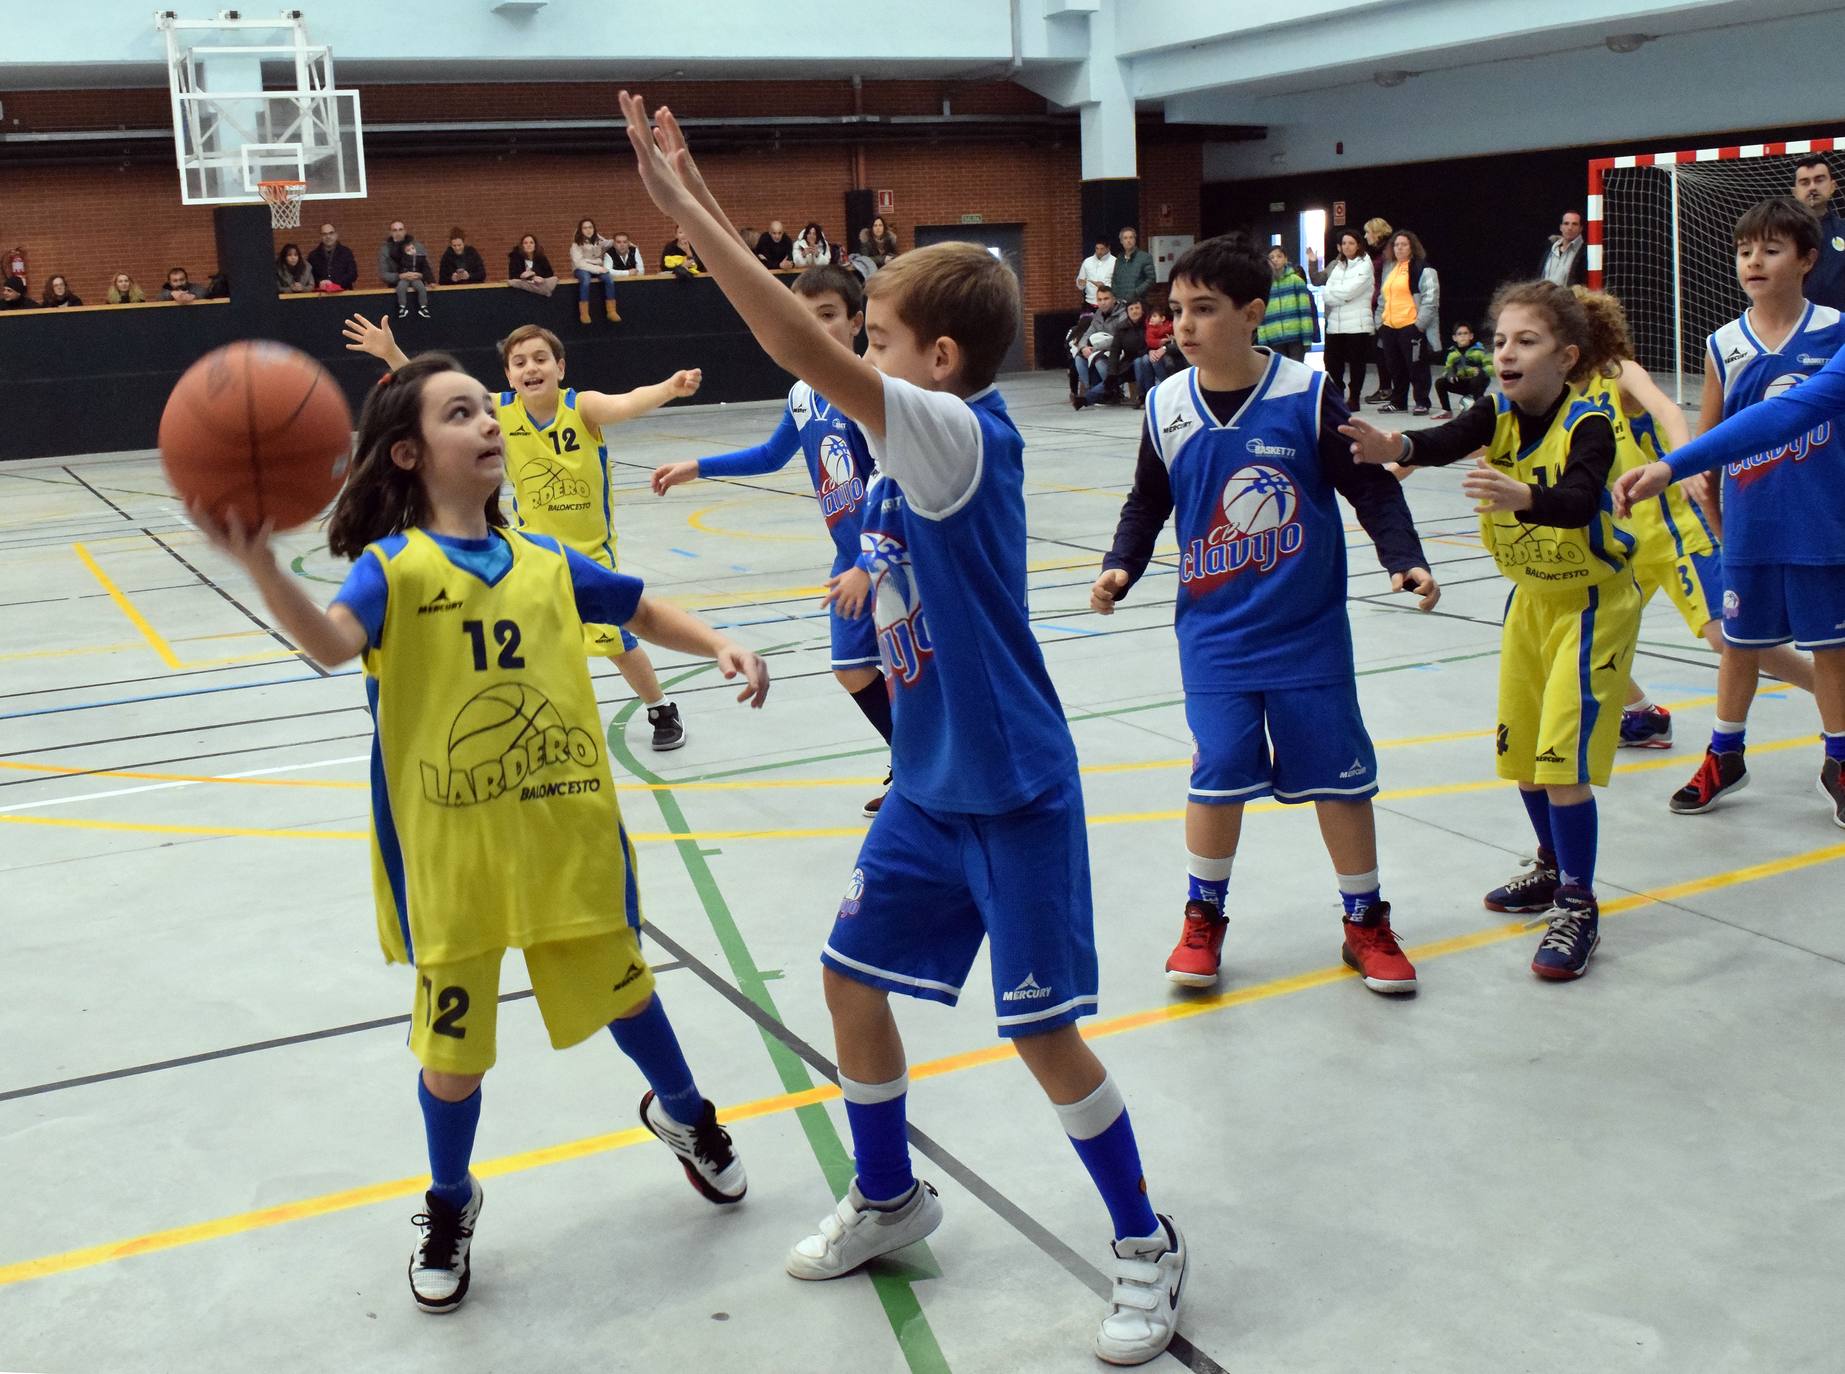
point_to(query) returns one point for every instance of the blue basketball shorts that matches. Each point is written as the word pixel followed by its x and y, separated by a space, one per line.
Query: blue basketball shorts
pixel 1765 604
pixel 855 641
pixel 931 885
pixel 1322 751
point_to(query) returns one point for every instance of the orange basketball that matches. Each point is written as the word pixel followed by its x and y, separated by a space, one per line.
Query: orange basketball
pixel 259 428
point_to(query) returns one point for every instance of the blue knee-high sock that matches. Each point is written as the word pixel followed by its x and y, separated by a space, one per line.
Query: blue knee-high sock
pixel 880 1140
pixel 1099 1128
pixel 649 1041
pixel 449 1129
pixel 1537 806
pixel 1576 830
pixel 1835 744
pixel 1208 880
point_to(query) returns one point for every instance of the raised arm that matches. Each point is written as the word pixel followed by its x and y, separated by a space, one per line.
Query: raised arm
pixel 604 408
pixel 1639 385
pixel 790 336
pixel 362 336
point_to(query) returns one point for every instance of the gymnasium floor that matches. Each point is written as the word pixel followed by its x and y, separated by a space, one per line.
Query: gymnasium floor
pixel 212 1149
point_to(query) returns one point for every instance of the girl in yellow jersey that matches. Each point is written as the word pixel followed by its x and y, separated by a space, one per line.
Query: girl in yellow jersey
pixel 558 462
pixel 1547 517
pixel 494 820
pixel 1676 549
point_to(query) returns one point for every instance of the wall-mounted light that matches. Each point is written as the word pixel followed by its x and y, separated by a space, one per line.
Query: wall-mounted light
pixel 1627 42
pixel 1392 78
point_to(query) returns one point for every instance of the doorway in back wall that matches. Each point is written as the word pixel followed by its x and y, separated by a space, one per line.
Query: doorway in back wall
pixel 1005 242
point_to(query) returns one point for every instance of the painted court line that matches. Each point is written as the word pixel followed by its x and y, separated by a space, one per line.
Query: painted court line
pixel 67 1261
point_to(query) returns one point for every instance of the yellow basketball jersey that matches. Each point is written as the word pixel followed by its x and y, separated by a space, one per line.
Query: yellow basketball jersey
pixel 560 476
pixel 1669 526
pixel 1546 555
pixel 494 819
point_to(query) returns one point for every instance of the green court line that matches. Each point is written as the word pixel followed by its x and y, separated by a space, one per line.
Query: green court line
pixel 895 1292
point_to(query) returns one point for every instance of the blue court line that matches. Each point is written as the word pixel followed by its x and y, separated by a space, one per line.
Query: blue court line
pixel 168 696
pixel 1067 629
pixel 683 553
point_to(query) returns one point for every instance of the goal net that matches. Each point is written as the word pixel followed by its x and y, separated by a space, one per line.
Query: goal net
pixel 1659 236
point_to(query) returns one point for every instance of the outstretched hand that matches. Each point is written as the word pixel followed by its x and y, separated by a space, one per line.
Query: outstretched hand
pixel 1419 582
pixel 733 661
pixel 365 337
pixel 1494 490
pixel 1371 444
pixel 665 186
pixel 686 381
pixel 670 475
pixel 1640 484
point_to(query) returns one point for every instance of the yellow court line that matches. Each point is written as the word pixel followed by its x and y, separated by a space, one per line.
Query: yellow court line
pixel 45 1266
pixel 127 608
pixel 823 832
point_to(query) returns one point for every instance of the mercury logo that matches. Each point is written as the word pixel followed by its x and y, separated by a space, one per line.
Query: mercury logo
pixel 1028 991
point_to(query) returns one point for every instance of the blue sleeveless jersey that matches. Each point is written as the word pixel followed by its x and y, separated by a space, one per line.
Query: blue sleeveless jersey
pixel 1787 504
pixel 838 464
pixel 978 726
pixel 1261 600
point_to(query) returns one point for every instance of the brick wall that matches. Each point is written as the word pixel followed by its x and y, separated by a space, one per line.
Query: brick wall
pixel 89 222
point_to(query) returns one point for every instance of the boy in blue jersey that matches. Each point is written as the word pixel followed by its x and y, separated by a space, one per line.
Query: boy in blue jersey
pixel 1244 446
pixel 1783 493
pixel 839 466
pixel 982 836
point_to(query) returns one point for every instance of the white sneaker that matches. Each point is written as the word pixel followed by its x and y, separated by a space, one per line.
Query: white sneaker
pixel 1143 1311
pixel 439 1264
pixel 704 1149
pixel 855 1232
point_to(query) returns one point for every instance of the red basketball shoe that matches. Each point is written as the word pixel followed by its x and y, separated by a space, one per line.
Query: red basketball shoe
pixel 1371 948
pixel 1195 959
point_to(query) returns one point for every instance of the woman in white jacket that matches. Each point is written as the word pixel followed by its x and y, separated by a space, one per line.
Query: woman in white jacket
pixel 1350 335
pixel 1409 322
pixel 812 249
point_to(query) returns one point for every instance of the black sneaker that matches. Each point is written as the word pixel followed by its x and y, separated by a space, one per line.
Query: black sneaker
pixel 1533 890
pixel 1718 776
pixel 1377 398
pixel 871 807
pixel 704 1149
pixel 668 733
pixel 439 1264
pixel 403 312
pixel 423 310
pixel 1832 786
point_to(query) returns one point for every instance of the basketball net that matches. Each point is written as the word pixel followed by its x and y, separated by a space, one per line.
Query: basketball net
pixel 284 199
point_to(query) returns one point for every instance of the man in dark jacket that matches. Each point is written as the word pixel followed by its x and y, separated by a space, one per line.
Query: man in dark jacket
pixel 1090 342
pixel 1133 269
pixel 774 250
pixel 335 268
pixel 14 296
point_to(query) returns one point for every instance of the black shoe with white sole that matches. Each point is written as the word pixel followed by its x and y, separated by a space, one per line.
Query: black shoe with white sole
pixel 439 1264
pixel 668 733
pixel 704 1149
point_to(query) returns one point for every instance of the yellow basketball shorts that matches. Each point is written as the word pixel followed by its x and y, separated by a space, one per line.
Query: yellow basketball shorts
pixel 1564 664
pixel 1694 582
pixel 580 986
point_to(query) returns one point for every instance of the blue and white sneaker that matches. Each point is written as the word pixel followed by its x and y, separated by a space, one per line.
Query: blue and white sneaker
pixel 1648 729
pixel 1575 931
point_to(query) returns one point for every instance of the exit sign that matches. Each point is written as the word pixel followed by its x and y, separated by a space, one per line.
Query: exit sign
pixel 887 200
pixel 973 219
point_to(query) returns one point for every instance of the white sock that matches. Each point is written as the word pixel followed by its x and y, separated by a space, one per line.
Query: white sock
pixel 661 700
pixel 1644 704
pixel 1729 727
pixel 1208 870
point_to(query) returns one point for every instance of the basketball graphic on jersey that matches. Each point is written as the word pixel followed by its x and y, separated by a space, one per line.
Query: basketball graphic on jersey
pixel 1787 381
pixel 1256 526
pixel 543 485
pixel 836 479
pixel 1258 498
pixel 502 737
pixel 896 605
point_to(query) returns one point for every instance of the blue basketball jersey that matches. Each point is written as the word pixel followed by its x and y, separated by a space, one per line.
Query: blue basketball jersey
pixel 1261 599
pixel 1787 504
pixel 838 464
pixel 978 726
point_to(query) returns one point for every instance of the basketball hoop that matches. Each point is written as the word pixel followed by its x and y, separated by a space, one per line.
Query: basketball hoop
pixel 284 198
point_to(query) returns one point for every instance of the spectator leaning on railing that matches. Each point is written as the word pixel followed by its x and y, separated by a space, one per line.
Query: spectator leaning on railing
pixel 123 290
pixel 877 242
pixel 775 250
pixel 178 287
pixel 58 293
pixel 461 264
pixel 15 296
pixel 335 268
pixel 624 258
pixel 292 273
pixel 679 257
pixel 812 249
pixel 529 269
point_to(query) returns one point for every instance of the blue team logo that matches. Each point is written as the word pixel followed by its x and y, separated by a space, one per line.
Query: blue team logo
pixel 840 488
pixel 855 892
pixel 1257 525
pixel 896 604
pixel 1746 471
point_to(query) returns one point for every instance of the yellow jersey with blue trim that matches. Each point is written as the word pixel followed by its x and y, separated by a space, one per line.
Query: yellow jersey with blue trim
pixel 494 818
pixel 1549 556
pixel 560 476
pixel 1670 526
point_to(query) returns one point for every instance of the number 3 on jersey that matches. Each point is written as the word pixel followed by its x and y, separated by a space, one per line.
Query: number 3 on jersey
pixel 505 634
